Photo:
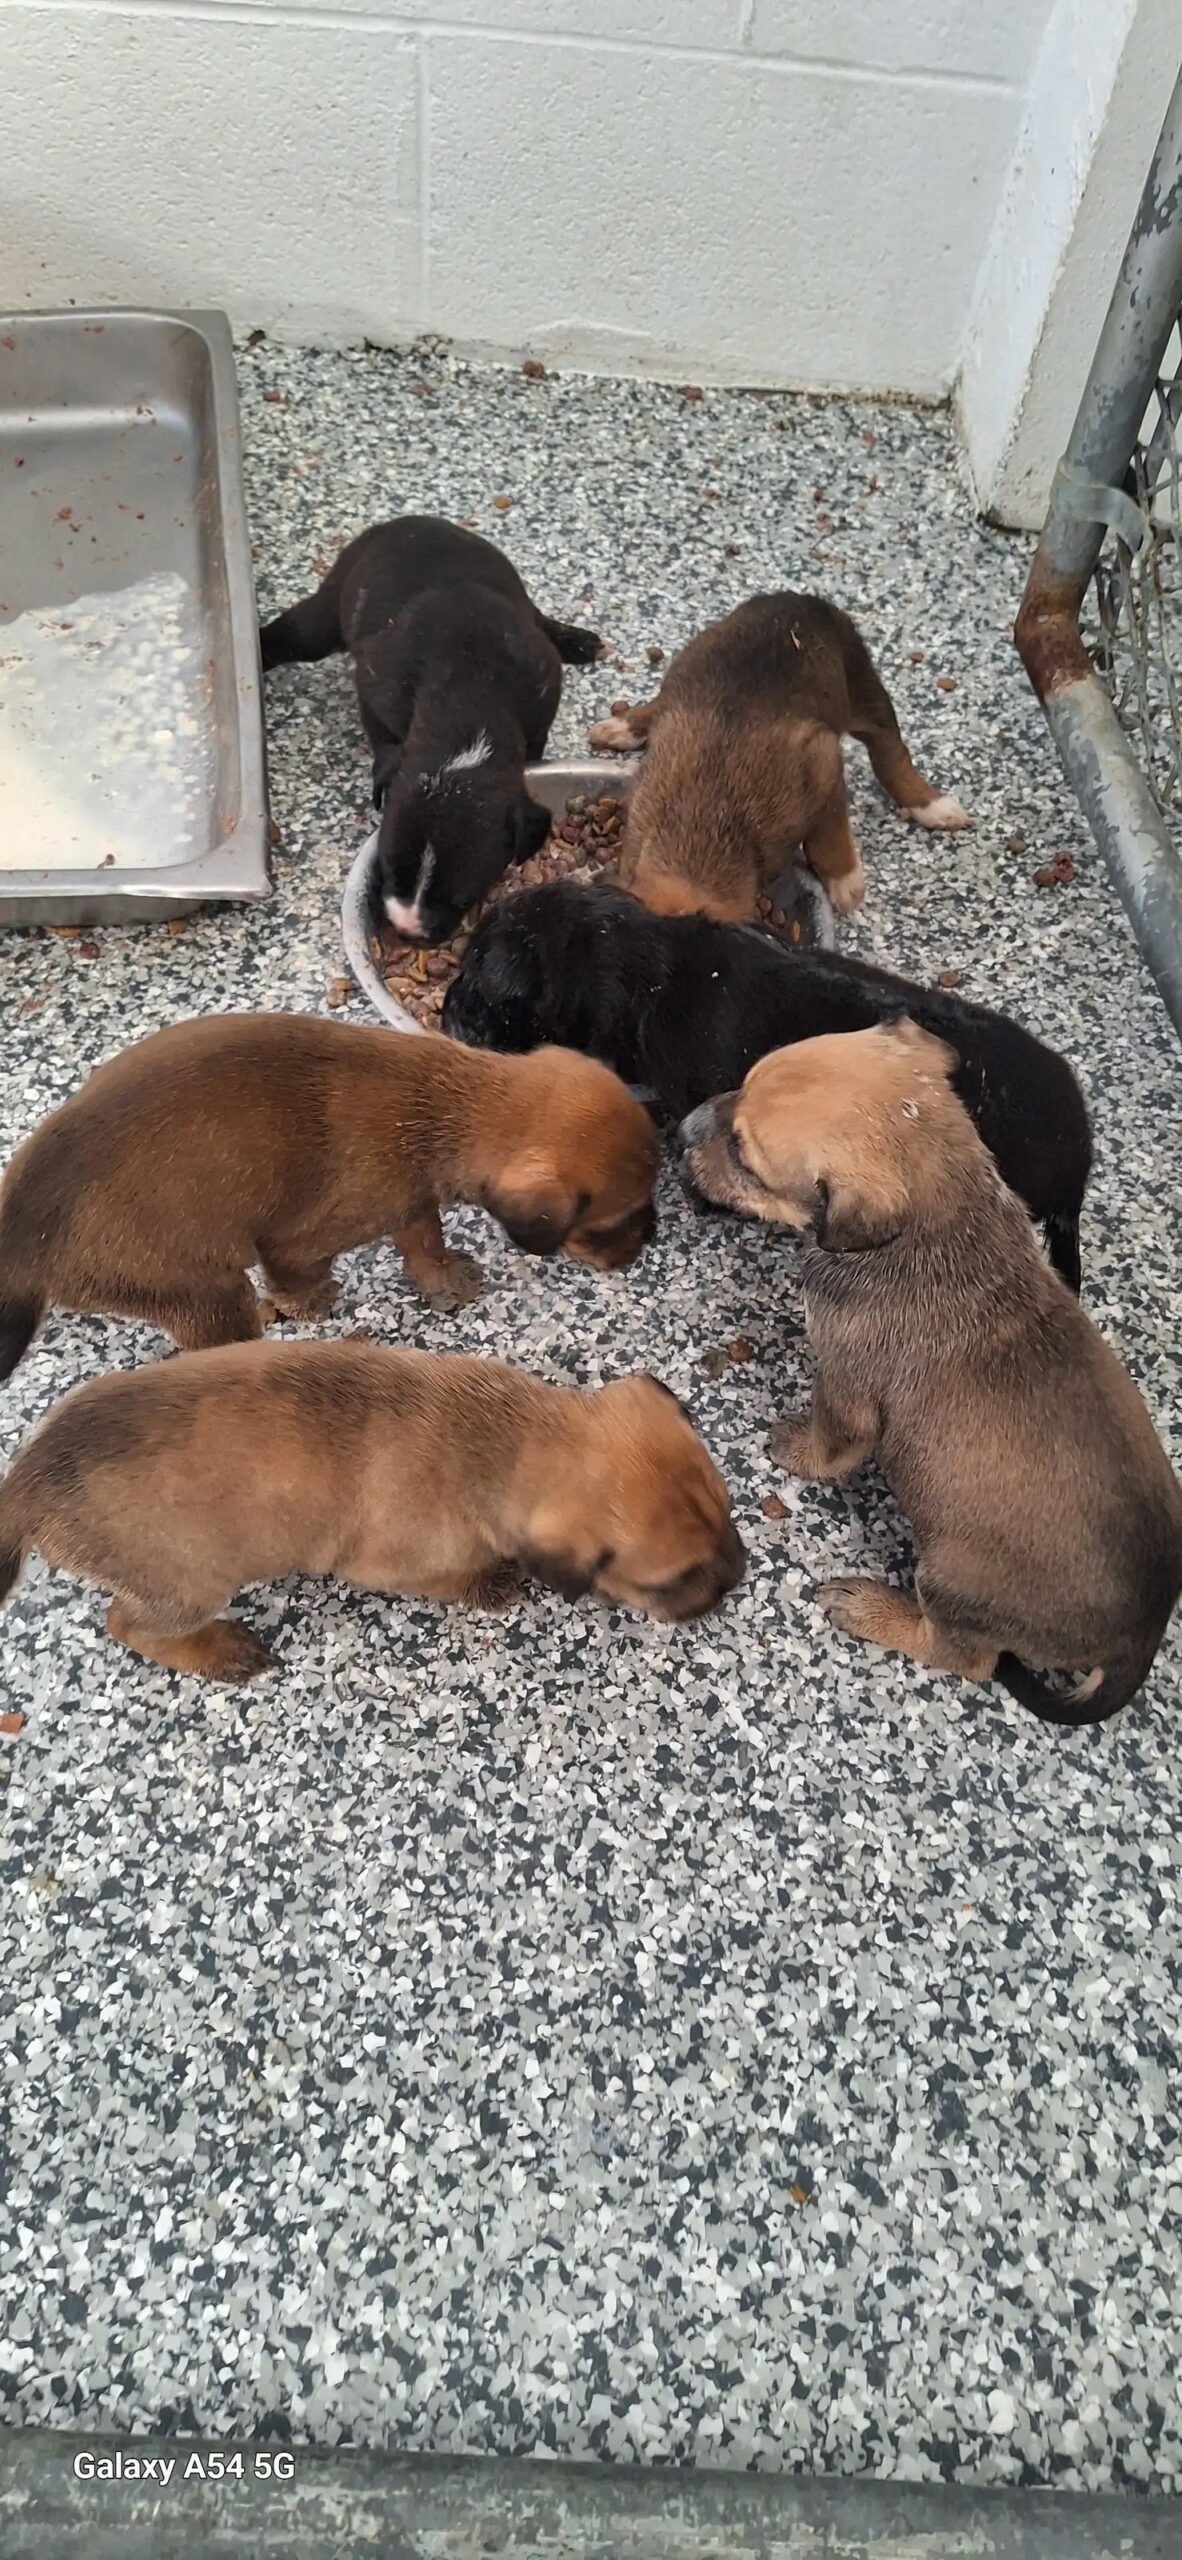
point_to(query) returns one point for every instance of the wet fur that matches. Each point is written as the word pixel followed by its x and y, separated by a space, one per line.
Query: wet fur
pixel 448 650
pixel 174 1486
pixel 285 1139
pixel 743 761
pixel 1047 1518
pixel 684 1007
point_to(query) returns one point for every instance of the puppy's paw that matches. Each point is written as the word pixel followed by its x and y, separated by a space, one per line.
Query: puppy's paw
pixel 454 1282
pixel 583 648
pixel 861 1608
pixel 318 1299
pixel 846 892
pixel 613 734
pixel 234 1653
pixel 943 815
pixel 792 1446
pixel 498 1587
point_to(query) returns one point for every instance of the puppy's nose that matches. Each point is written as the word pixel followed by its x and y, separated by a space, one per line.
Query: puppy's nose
pixel 696 1127
pixel 404 914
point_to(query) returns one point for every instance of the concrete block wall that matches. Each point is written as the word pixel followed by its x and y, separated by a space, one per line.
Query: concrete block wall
pixel 769 191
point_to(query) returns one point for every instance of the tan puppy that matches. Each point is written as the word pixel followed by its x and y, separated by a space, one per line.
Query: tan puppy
pixel 744 761
pixel 175 1485
pixel 1048 1519
pixel 283 1139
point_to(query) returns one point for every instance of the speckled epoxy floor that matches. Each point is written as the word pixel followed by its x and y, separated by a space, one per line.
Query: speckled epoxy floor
pixel 561 2033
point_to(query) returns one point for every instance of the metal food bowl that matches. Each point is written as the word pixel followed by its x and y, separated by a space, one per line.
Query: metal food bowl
pixel 800 892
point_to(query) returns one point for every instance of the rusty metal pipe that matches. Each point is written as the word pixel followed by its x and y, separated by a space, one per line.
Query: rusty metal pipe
pixel 1087 498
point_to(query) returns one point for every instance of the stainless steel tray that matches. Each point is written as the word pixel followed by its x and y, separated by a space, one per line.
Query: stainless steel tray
pixel 553 785
pixel 123 534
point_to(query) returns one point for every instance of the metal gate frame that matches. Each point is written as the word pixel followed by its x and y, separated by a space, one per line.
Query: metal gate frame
pixel 1087 499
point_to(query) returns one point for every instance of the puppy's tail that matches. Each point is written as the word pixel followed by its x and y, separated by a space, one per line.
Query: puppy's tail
pixel 576 647
pixel 1062 1237
pixel 1092 1701
pixel 306 632
pixel 20 1316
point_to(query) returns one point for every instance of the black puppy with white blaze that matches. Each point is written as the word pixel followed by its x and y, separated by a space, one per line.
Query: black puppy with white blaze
pixel 684 1006
pixel 458 679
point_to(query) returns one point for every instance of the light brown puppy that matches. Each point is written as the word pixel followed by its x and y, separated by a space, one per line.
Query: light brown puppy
pixel 284 1139
pixel 172 1486
pixel 1047 1517
pixel 744 761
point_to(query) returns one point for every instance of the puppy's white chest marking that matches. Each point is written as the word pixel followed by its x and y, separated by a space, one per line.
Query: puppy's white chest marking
pixel 465 761
pixel 478 753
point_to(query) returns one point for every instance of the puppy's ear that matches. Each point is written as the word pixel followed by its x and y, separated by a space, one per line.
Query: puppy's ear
pixel 911 1035
pixel 536 1222
pixel 530 827
pixel 385 765
pixel 851 1219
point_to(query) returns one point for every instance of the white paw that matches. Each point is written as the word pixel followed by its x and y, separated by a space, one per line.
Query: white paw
pixel 613 733
pixel 845 894
pixel 944 814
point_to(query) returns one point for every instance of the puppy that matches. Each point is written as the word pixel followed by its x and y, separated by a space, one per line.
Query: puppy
pixel 684 1007
pixel 176 1485
pixel 1048 1520
pixel 744 761
pixel 458 678
pixel 283 1139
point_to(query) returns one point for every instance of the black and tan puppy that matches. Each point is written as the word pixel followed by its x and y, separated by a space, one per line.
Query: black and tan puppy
pixel 744 761
pixel 458 679
pixel 284 1139
pixel 174 1486
pixel 684 1007
pixel 1047 1517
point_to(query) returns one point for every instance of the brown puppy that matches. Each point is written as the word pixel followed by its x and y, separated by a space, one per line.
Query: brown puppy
pixel 283 1139
pixel 1047 1517
pixel 744 761
pixel 173 1486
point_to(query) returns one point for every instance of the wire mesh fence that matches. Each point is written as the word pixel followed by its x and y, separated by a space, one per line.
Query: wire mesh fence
pixel 1134 625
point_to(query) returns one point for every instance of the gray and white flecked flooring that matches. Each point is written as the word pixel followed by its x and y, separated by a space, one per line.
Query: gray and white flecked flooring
pixel 559 2033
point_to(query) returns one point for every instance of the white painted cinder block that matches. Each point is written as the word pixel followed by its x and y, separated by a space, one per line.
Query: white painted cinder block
pixel 743 221
pixel 990 39
pixel 700 25
pixel 268 166
pixel 1092 119
pixel 766 191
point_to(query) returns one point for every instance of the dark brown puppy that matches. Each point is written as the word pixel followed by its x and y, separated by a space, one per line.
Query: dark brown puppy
pixel 174 1486
pixel 744 761
pixel 1047 1517
pixel 283 1139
